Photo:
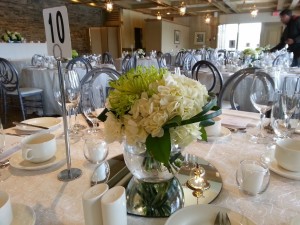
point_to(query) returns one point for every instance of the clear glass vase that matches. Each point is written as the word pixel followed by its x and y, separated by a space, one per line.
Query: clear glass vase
pixel 145 168
pixel 153 191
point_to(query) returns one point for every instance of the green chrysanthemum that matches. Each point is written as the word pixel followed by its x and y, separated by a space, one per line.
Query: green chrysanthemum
pixel 129 87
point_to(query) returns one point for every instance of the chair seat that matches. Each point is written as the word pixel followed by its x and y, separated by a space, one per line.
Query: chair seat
pixel 26 91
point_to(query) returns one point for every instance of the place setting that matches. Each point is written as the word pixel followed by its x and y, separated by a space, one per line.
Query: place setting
pixel 15 213
pixel 39 151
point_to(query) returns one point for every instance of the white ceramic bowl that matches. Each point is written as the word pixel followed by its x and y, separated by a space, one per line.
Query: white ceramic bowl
pixel 287 154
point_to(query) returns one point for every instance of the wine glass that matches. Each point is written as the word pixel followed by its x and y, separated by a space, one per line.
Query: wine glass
pixel 72 96
pixel 261 96
pixel 93 102
pixel 4 172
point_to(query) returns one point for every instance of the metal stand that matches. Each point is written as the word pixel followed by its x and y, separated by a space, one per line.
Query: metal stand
pixel 69 173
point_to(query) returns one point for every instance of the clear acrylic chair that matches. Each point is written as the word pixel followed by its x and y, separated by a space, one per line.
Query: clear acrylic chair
pixel 125 60
pixel 211 77
pixel 107 58
pixel 94 91
pixel 27 97
pixel 82 62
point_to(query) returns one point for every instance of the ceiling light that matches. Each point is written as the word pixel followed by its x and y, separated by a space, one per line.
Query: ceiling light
pixel 109 6
pixel 92 4
pixel 207 19
pixel 253 11
pixel 74 0
pixel 182 9
pixel 158 16
pixel 168 13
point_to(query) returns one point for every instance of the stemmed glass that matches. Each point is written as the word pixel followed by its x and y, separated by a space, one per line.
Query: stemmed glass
pixel 261 96
pixel 93 102
pixel 96 151
pixel 4 173
pixel 72 95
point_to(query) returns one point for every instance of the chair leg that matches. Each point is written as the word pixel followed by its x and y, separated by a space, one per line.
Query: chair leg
pixel 42 103
pixel 22 107
pixel 5 108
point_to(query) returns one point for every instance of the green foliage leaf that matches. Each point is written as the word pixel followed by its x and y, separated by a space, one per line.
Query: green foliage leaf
pixel 160 147
pixel 203 134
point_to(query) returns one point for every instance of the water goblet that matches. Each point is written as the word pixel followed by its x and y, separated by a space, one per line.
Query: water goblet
pixel 262 97
pixel 4 172
pixel 72 96
pixel 93 102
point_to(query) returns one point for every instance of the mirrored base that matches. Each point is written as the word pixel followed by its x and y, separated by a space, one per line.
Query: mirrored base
pixel 69 174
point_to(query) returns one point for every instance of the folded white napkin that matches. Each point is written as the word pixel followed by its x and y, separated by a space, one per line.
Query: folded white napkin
pixel 12 144
pixel 235 118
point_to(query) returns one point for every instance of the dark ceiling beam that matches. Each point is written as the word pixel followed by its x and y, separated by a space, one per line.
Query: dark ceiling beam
pixel 144 6
pixel 232 6
pixel 294 4
pixel 280 4
pixel 220 6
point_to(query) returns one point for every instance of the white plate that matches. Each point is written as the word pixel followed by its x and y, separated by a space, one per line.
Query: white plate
pixel 49 122
pixel 283 172
pixel 18 162
pixel 22 215
pixel 225 132
pixel 204 215
pixel 295 220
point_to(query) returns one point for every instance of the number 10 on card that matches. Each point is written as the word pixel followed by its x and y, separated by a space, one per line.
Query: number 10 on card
pixel 57 30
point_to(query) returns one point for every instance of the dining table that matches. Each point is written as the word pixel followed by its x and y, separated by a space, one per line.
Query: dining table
pixel 147 62
pixel 57 202
pixel 42 77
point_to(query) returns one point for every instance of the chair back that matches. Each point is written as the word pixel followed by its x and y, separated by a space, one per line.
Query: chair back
pixel 179 58
pixel 95 85
pixel 107 58
pixel 81 62
pixel 9 80
pixel 280 59
pixel 215 81
pixel 125 60
pixel 132 63
pixel 237 89
pixel 189 61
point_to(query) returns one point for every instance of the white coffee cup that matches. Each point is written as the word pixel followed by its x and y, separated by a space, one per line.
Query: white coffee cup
pixel 287 154
pixel 38 148
pixel 252 177
pixel 215 129
pixel 6 213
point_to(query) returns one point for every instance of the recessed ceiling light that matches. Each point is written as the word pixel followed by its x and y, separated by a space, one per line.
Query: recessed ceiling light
pixel 74 1
pixel 168 13
pixel 92 4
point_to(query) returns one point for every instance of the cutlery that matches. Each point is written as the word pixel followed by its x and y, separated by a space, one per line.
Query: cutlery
pixel 222 219
pixel 30 125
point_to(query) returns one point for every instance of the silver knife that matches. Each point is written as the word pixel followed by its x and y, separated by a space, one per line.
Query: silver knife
pixel 30 125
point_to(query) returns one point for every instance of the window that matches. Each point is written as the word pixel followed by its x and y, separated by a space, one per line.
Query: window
pixel 239 36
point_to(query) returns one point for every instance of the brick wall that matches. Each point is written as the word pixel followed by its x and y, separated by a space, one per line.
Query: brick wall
pixel 26 17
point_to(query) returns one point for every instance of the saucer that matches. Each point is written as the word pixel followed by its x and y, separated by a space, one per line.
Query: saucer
pixel 22 215
pixel 283 172
pixel 50 122
pixel 18 162
pixel 204 214
pixel 225 133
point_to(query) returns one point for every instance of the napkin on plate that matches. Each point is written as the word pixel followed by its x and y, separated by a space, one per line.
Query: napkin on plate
pixel 242 119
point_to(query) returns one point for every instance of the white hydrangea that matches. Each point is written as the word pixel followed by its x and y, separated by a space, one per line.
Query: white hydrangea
pixel 176 95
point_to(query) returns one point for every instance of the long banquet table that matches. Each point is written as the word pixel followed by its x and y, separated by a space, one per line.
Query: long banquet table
pixel 56 202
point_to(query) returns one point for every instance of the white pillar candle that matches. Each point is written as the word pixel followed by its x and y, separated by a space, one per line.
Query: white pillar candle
pixel 91 201
pixel 253 176
pixel 113 205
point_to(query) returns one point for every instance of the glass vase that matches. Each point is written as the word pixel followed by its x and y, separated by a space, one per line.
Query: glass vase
pixel 153 191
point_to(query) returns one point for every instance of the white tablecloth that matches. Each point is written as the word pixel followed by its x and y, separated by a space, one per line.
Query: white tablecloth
pixel 56 202
pixel 43 78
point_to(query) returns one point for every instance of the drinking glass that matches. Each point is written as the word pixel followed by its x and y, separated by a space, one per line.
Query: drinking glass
pixel 93 102
pixel 4 172
pixel 72 96
pixel 261 96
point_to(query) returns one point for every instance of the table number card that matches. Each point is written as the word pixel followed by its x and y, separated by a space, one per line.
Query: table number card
pixel 57 30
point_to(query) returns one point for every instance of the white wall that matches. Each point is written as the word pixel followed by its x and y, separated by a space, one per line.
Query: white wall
pixel 132 20
pixel 246 18
pixel 168 44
